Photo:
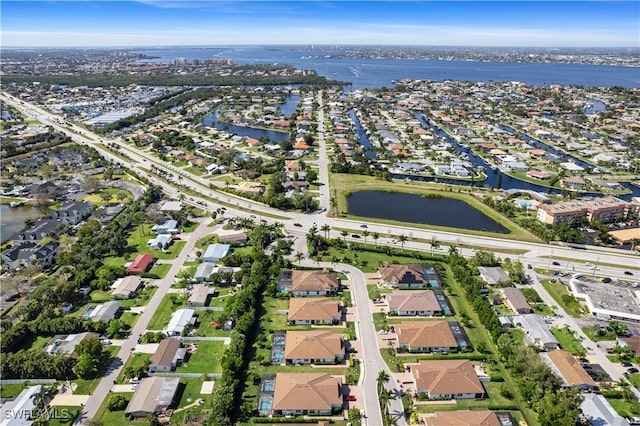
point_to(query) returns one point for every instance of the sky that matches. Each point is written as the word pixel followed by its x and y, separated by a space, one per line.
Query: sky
pixel 550 23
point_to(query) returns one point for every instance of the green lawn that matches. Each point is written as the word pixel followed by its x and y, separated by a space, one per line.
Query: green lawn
pixel 190 394
pixel 275 322
pixel 116 196
pixel 494 401
pixel 10 391
pixel 380 321
pixel 160 270
pixel 107 417
pixel 591 334
pixel 206 359
pixel 557 290
pixel 135 361
pixel 205 318
pixel 365 260
pixel 567 341
pixel 167 307
pixel 66 415
pixel 86 386
pixel 139 238
pixel 630 408
pixel 634 379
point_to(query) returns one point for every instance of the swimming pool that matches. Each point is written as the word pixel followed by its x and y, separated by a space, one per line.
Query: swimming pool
pixel 525 204
pixel 268 386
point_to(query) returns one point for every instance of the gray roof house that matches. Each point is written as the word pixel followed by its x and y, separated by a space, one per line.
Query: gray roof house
pixel 22 404
pixel 493 275
pixel 154 395
pixel 200 295
pixel 536 331
pixel 160 242
pixel 597 410
pixel 105 312
pixel 30 253
pixel 204 271
pixel 215 252
pixel 124 288
pixel 66 343
pixel 516 301
pixel 179 321
pixel 72 212
pixel 168 227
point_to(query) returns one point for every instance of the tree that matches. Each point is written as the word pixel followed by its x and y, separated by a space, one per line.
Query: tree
pixel 311 176
pixel 344 234
pixel 326 229
pixel 116 402
pixel 299 256
pixel 435 244
pixel 383 379
pixel 376 236
pixel 403 239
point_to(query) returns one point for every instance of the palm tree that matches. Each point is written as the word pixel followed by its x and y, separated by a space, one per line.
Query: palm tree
pixel 376 235
pixel 344 235
pixel 299 256
pixel 434 244
pixel 326 229
pixel 453 250
pixel 365 234
pixel 383 379
pixel 403 239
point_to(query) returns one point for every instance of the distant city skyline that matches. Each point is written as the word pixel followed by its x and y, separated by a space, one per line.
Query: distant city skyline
pixel 204 22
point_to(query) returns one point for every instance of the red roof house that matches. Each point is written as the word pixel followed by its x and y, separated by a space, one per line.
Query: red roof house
pixel 142 263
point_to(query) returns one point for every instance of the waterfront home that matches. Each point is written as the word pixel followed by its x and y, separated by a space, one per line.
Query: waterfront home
pixel 30 253
pixel 72 212
pixel 447 379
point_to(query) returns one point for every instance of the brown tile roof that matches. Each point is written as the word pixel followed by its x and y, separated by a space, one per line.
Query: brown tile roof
pixel 166 352
pixel 396 273
pixel 464 418
pixel 420 300
pixel 422 334
pixel 447 377
pixel 313 281
pixel 570 368
pixel 306 391
pixel 318 309
pixel 313 345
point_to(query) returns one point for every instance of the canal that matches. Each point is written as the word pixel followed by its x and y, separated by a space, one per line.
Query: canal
pixel 13 218
pixel 413 208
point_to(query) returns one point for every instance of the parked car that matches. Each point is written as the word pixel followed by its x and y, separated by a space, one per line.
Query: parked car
pixel 628 273
pixel 606 280
pixel 363 226
pixel 627 364
pixel 350 398
pixel 554 263
pixel 529 266
pixel 632 370
pixel 299 225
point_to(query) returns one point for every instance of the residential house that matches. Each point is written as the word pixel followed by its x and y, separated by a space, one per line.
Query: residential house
pixel 168 356
pixel 104 312
pixel 72 212
pixel 574 182
pixel 19 410
pixel 493 275
pixel 308 283
pixel 204 271
pixel 168 227
pixel 66 343
pixel 633 342
pixel 567 367
pixel 200 295
pixel 596 410
pixel 412 303
pixel 153 396
pixel 307 394
pixel 426 336
pixel 41 228
pixel 305 311
pixel 447 379
pixel 470 418
pixel 30 253
pixel 215 252
pixel 313 347
pixel 514 299
pixel 537 332
pixel 160 242
pixel 409 276
pixel 142 263
pixel 180 321
pixel 125 288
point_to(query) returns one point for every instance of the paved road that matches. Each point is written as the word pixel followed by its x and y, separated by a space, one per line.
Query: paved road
pixel 101 392
pixel 143 159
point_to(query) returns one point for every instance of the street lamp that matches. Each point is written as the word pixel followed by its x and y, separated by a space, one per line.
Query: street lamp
pixel 595 267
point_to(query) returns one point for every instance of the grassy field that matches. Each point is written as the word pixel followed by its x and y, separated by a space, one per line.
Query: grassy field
pixel 556 291
pixel 346 184
pixel 135 360
pixel 167 307
pixel 630 408
pixel 116 196
pixel 206 359
pixel 567 341
pixel 494 401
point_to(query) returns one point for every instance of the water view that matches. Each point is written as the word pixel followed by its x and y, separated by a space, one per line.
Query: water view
pixel 404 207
pixel 13 219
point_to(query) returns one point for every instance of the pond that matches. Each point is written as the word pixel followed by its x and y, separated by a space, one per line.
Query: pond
pixel 13 218
pixel 413 208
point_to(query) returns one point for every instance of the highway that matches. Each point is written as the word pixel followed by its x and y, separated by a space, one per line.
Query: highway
pixel 611 263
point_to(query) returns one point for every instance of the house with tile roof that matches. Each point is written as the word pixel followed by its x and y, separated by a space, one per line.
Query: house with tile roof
pixel 412 303
pixel 308 283
pixel 470 418
pixel 313 347
pixel 567 367
pixel 309 311
pixel 426 336
pixel 307 394
pixel 447 379
pixel 409 276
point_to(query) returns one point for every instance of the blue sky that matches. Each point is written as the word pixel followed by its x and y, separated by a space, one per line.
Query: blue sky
pixel 185 22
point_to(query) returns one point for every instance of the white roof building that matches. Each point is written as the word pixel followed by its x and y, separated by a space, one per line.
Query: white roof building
pixel 599 412
pixel 16 412
pixel 179 321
